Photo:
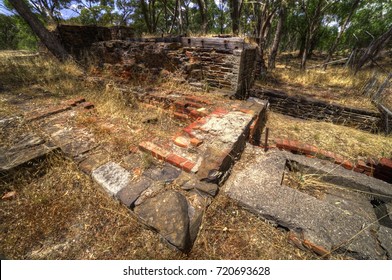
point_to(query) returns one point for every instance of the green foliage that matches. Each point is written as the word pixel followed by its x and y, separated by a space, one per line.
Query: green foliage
pixel 16 34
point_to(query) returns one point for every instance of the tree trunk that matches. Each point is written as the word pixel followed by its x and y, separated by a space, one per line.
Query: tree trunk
pixel 203 14
pixel 235 12
pixel 374 48
pixel 278 36
pixel 340 34
pixel 48 39
pixel 146 15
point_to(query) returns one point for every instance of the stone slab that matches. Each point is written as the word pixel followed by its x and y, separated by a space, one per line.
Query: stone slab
pixel 166 174
pixel 129 194
pixel 112 177
pixel 385 238
pixel 167 212
pixel 190 182
pixel 338 175
pixel 28 148
pixel 256 184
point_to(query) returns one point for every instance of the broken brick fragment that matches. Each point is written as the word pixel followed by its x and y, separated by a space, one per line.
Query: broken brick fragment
pixel 180 116
pixel 176 160
pixel 196 142
pixel 155 150
pixel 319 250
pixel 181 141
pixel 74 101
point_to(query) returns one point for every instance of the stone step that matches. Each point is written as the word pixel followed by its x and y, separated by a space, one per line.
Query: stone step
pixel 210 145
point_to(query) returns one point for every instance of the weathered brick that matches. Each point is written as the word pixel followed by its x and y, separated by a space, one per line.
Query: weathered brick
pixel 196 142
pixel 181 141
pixel 176 160
pixel 361 164
pixel 87 105
pixel 180 116
pixel 155 150
pixel 188 166
pixel 36 115
pixel 319 250
pixel 386 163
pixel 74 101
pixel 358 170
pixel 220 112
pixel 347 164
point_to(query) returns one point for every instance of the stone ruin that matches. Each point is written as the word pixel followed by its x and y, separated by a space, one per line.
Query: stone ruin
pixel 216 150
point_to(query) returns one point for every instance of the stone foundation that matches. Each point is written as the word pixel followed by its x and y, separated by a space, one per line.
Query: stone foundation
pixel 204 62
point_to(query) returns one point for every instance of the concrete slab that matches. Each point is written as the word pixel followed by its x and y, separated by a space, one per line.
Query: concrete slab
pixel 112 177
pixel 255 183
pixel 338 175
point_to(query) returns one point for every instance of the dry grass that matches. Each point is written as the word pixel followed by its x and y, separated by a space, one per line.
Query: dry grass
pixel 337 84
pixel 231 232
pixel 351 143
pixel 59 213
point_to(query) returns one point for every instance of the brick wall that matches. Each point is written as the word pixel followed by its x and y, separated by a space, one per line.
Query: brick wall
pixel 78 39
pixel 309 108
pixel 212 62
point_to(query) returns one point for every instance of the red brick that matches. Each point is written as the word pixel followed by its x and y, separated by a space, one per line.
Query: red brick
pixel 347 164
pixel 181 141
pixel 180 105
pixel 220 112
pixel 319 250
pixel 87 105
pixel 196 142
pixel 189 129
pixel 327 154
pixel 195 114
pixel 359 170
pixel 48 112
pixel 309 150
pixel 194 104
pixel 198 100
pixel 368 173
pixel 295 146
pixel 293 239
pixel 74 101
pixel 386 163
pixel 180 116
pixel 155 150
pixel 176 160
pixel 188 166
pixel 133 149
pixel 361 164
pixel 248 112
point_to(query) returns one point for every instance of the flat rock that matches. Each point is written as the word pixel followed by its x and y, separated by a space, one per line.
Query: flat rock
pixel 190 182
pixel 168 214
pixel 385 238
pixel 256 184
pixel 166 174
pixel 197 204
pixel 112 177
pixel 27 149
pixel 93 161
pixel 129 194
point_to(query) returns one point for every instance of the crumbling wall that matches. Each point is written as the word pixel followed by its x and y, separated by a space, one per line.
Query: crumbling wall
pixel 210 62
pixel 310 108
pixel 77 40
